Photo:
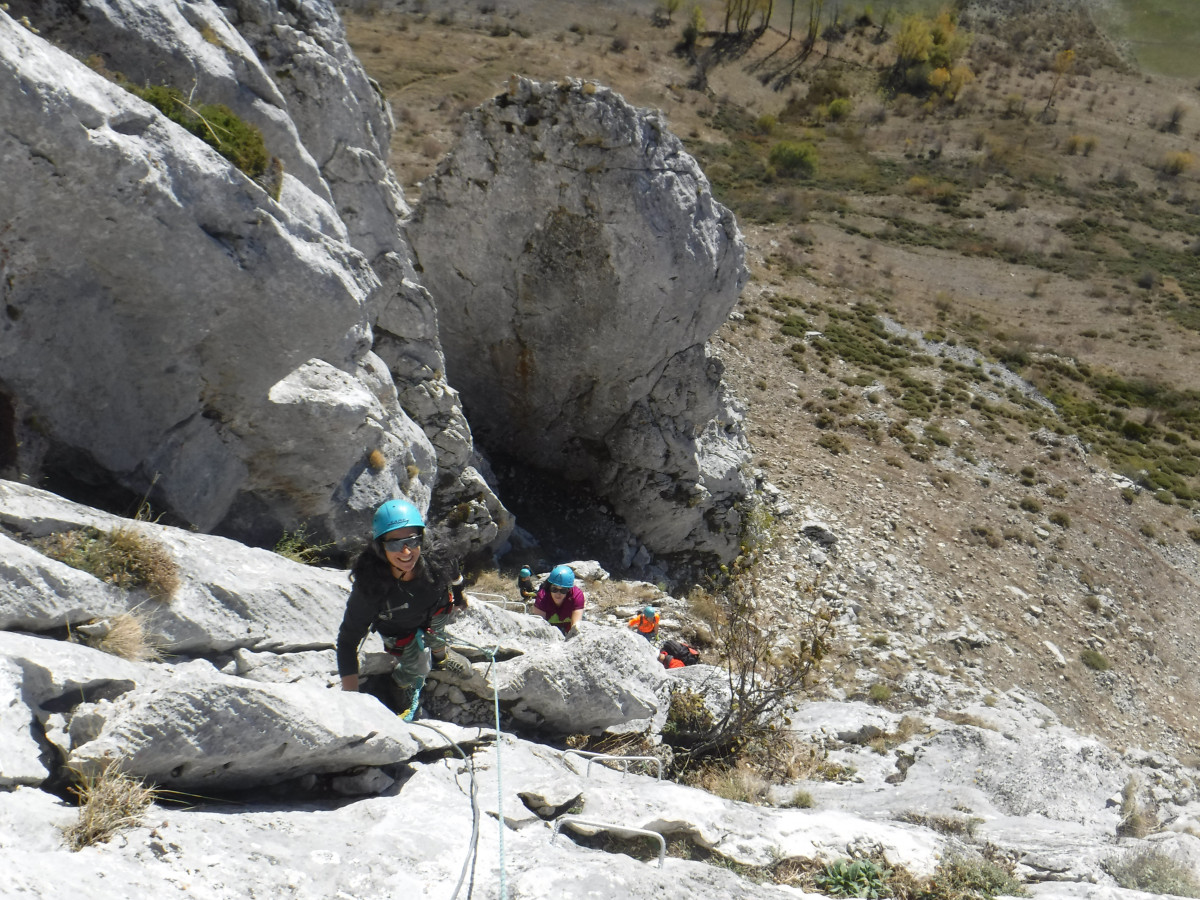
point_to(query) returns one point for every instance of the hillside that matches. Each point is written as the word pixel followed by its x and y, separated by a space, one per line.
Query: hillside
pixel 967 344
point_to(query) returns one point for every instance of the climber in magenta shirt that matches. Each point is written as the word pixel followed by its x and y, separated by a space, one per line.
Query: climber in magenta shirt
pixel 560 602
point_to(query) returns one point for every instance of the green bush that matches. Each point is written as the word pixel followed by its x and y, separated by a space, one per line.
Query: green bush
pixel 854 878
pixel 1095 660
pixel 958 877
pixel 298 546
pixel 793 158
pixel 839 109
pixel 833 444
pixel 1153 871
pixel 688 714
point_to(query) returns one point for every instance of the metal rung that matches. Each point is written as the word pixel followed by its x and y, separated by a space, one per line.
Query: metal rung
pixel 610 826
pixel 499 599
pixel 593 757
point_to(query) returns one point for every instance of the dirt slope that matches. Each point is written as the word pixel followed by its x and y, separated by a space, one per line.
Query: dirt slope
pixel 976 546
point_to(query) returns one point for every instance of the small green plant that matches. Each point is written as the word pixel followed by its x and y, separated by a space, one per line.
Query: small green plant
pixel 298 546
pixel 109 801
pixel 124 557
pixel 1061 519
pixel 1153 871
pixel 1031 504
pixel 879 693
pixel 802 799
pixel 1095 660
pixel 854 878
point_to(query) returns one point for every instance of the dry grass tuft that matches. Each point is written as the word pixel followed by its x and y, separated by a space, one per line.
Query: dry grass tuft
pixel 740 782
pixel 124 557
pixel 110 801
pixel 127 637
pixel 962 718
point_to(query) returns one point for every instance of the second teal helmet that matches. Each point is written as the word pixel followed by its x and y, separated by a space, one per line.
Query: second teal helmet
pixel 562 576
pixel 649 612
pixel 396 514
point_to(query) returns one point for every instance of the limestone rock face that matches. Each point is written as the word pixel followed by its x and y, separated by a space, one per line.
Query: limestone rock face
pixel 173 330
pixel 573 237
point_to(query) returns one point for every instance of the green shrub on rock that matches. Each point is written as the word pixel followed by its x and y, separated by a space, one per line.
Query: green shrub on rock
pixel 222 129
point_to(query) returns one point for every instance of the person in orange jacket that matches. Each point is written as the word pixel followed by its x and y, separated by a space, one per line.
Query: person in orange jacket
pixel 670 662
pixel 645 623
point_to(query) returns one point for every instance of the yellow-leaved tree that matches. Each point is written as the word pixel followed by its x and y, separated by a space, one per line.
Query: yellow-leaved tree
pixel 928 56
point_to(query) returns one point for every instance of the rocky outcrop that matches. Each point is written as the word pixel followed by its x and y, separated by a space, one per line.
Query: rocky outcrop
pixel 573 237
pixel 230 596
pixel 174 330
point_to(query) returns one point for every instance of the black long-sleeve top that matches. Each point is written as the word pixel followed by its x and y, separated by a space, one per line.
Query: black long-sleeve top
pixel 395 608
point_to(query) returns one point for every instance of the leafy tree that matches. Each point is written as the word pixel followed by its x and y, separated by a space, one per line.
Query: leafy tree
pixel 1064 61
pixel 741 14
pixel 927 55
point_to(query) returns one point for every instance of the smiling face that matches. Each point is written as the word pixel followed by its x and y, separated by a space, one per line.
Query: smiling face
pixel 558 594
pixel 402 548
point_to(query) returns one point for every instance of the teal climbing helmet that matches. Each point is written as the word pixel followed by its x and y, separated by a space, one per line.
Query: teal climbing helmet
pixel 562 576
pixel 396 514
pixel 649 612
pixel 526 572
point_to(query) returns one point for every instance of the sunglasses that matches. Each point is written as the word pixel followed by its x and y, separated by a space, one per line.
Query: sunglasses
pixel 558 590
pixel 395 545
